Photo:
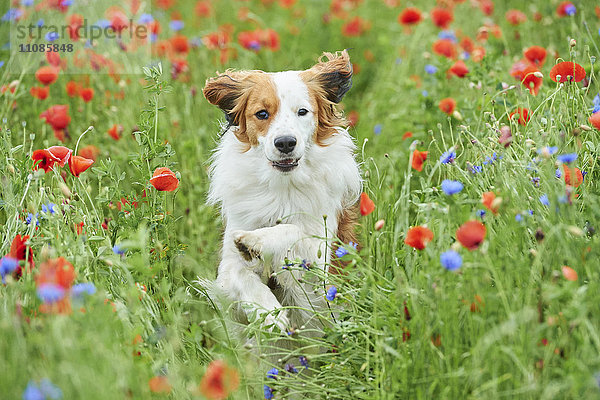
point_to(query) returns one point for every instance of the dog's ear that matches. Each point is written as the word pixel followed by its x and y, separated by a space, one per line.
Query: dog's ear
pixel 224 91
pixel 334 74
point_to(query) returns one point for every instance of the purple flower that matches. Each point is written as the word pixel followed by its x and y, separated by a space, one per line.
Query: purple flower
pixel 430 69
pixel 145 19
pixel 544 199
pixel 176 25
pixel 48 208
pixel 567 158
pixel 12 14
pixel 448 157
pixel 45 390
pixel 7 266
pixel 272 373
pixel 52 36
pixel 331 293
pixel 118 250
pixel 268 392
pixel 80 289
pixel 50 292
pixel 289 367
pixel 557 173
pixel 451 187
pixel 33 392
pixel 570 9
pixel 451 260
pixel 518 218
pixel 480 213
pixel 449 34
pixel 341 251
pixel 303 361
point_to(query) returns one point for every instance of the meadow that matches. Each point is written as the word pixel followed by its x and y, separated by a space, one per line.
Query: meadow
pixel 478 271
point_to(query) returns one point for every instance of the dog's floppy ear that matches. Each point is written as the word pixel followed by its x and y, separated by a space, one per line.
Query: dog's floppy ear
pixel 224 91
pixel 334 74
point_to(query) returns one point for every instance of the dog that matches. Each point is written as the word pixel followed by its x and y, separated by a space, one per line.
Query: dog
pixel 286 180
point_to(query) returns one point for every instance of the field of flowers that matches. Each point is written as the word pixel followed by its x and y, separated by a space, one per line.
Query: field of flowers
pixel 478 128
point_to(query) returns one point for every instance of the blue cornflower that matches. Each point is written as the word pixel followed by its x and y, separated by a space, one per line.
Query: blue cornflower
pixel 466 55
pixel 118 250
pixel 544 199
pixel 33 392
pixel 490 160
pixel 12 14
pixel 570 9
pixel 331 293
pixel 83 288
pixel 536 181
pixel 40 22
pixel 550 150
pixel 341 251
pixel 430 69
pixel 424 93
pixel 583 174
pixel 66 3
pixel 26 3
pixel 268 392
pixel 451 187
pixel 305 264
pixel 377 129
pixel 303 361
pixel 153 37
pixel 449 34
pixel 567 158
pixel 50 292
pixel 1 64
pixel 30 218
pixel 50 390
pixel 52 36
pixel 475 169
pixel 7 266
pixel 398 61
pixel 289 367
pixel 103 23
pixel 530 212
pixel 557 173
pixel 48 208
pixel 176 25
pixel 273 373
pixel 448 157
pixel 480 213
pixel 451 260
pixel 145 19
pixel 518 218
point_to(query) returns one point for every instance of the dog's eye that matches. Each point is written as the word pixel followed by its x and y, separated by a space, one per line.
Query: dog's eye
pixel 302 111
pixel 262 114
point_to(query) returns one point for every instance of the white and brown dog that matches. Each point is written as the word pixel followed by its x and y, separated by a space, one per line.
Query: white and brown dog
pixel 283 162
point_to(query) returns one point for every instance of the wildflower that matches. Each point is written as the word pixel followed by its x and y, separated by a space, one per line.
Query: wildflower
pixel 410 16
pixel 409 135
pixel 451 260
pixel 50 292
pixel 355 27
pixel 219 380
pixel 474 169
pixel 536 55
pixel 52 36
pixel 515 17
pixel 366 204
pixel 31 217
pixel 451 187
pixel 569 273
pixel 7 266
pixel 20 250
pixel 289 368
pixel 458 69
pixel 331 293
pixel 532 79
pixel 118 250
pixel 488 199
pixel 544 199
pixel 176 25
pixel 13 14
pixel 471 234
pixel 448 157
pixel 78 164
pixel 89 151
pixel 164 179
pixel 547 151
pixel 303 361
pixel 567 158
pixel 80 289
pixel 505 137
pixel 159 384
pixel 573 176
pixel 566 8
pixel 45 390
pixel 447 105
pixel 480 213
pixel 40 92
pixel 341 251
pixel 377 129
pixel 115 131
pixel 48 208
pixel 419 158
pixel 595 120
pixel 145 19
pixel 518 217
pixel 430 69
pixel 379 224
pixel 418 237
pixel 86 94
pixel 268 392
pixel 568 71
pixel 58 118
pixel 444 47
pixel 441 17
pixel 46 75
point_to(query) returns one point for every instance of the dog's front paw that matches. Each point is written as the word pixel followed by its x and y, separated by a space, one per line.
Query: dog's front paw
pixel 249 244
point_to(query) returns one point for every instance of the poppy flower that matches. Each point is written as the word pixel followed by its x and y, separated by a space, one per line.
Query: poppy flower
pixel 459 69
pixel 53 59
pixel 78 164
pixel 522 114
pixel 57 116
pixel 366 204
pixel 536 55
pixel 90 151
pixel 595 120
pixel 419 158
pixel 409 135
pixel 410 16
pixel 115 131
pixel 515 17
pixel 164 179
pixel 566 8
pixel 86 94
pixel 355 27
pixel 488 199
pixel 203 8
pixel 73 88
pixel 20 251
pixel 441 17
pixel 568 71
pixel 180 43
pixel 159 384
pixel 471 234
pixel 444 47
pixel 573 176
pixel 447 105
pixel 467 44
pixel 40 92
pixel 58 271
pixel 219 381
pixel 61 154
pixel 418 237
pixel 569 273
pixel 531 79
pixel 46 75
pixel 42 159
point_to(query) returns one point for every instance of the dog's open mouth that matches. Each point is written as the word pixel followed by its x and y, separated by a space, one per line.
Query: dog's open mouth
pixel 285 165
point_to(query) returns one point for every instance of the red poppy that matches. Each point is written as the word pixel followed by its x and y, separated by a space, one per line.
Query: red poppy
pixel 447 105
pixel 42 159
pixel 444 47
pixel 565 9
pixel 19 250
pixel 488 200
pixel 219 381
pixel 569 273
pixel 471 234
pixel 535 55
pixel 568 71
pixel 366 204
pixel 40 92
pixel 115 131
pixel 78 164
pixel 75 23
pixel 467 44
pixel 57 116
pixel 459 69
pixel 441 17
pixel 418 237
pixel 486 6
pixel 573 176
pixel 180 43
pixel 595 120
pixel 159 384
pixel 164 179
pixel 58 271
pixel 90 151
pixel 407 135
pixel 73 88
pixel 515 17
pixel 86 94
pixel 531 79
pixel 118 20
pixel 46 75
pixel 419 158
pixel 203 8
pixel 523 115
pixel 410 16
pixel 53 59
pixel 355 27
pixel 61 154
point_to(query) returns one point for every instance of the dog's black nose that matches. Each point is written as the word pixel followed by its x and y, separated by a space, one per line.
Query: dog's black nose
pixel 285 144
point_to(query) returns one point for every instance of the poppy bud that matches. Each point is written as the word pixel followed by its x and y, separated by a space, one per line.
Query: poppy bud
pixel 379 224
pixel 585 127
pixel 573 43
pixel 65 190
pixel 538 74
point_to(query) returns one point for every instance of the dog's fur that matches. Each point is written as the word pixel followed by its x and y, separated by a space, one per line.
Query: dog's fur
pixel 272 208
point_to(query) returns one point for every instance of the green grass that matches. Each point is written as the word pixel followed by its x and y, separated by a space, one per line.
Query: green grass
pixel 515 282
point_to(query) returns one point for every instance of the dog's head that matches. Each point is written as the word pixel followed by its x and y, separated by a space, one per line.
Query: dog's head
pixel 283 113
